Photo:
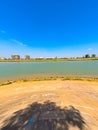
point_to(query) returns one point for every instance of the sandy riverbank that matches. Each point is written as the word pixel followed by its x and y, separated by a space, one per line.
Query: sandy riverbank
pixel 83 95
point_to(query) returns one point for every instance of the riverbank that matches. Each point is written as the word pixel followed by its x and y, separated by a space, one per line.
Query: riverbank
pixel 71 78
pixel 15 97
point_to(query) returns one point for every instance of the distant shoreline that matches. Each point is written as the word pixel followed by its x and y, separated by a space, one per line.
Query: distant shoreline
pixel 51 60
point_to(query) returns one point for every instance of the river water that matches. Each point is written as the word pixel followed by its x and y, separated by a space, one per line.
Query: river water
pixel 18 70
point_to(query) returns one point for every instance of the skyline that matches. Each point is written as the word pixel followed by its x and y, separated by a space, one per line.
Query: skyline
pixel 48 28
pixel 30 57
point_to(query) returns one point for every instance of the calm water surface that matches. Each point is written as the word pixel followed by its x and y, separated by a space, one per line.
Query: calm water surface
pixel 66 68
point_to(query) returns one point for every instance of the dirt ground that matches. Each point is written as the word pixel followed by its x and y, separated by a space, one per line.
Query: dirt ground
pixel 83 95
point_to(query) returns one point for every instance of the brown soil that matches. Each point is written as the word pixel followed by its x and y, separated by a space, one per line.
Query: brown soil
pixel 82 95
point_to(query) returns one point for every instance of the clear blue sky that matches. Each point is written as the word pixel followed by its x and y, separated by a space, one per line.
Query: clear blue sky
pixel 48 27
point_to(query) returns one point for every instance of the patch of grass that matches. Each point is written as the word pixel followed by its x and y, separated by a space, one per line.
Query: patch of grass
pixel 25 80
pixel 44 79
pixel 6 83
pixel 80 79
pixel 66 79
pixel 50 79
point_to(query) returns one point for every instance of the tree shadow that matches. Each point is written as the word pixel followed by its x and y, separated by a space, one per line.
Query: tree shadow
pixel 49 117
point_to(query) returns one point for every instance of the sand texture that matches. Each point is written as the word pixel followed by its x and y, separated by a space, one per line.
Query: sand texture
pixel 75 103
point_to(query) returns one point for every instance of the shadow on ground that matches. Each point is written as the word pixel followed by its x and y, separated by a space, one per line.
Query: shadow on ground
pixel 48 116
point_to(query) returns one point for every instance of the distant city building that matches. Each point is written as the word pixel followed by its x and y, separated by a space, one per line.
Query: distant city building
pixel 39 58
pixel 27 57
pixel 15 57
pixel 2 58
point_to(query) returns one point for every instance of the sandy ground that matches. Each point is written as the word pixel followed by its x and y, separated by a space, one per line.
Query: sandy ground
pixel 83 95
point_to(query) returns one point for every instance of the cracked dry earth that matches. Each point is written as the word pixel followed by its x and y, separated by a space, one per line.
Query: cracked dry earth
pixel 82 95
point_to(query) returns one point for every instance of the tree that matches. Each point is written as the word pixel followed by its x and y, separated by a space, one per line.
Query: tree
pixel 87 56
pixel 93 56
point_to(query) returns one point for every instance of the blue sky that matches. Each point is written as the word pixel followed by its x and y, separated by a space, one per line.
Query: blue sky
pixel 48 28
